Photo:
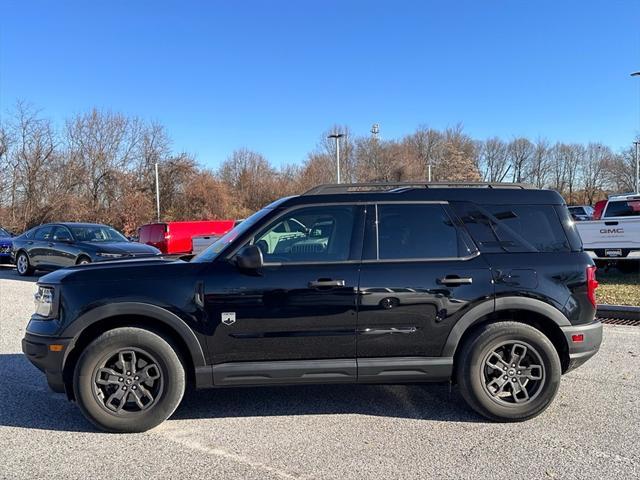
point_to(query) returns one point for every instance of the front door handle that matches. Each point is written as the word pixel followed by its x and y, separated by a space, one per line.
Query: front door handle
pixel 453 280
pixel 326 283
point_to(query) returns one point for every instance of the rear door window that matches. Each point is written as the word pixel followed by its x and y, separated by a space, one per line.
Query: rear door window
pixel 414 232
pixel 628 208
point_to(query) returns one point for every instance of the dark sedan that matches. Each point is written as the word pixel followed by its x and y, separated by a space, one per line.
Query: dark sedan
pixel 5 246
pixel 59 245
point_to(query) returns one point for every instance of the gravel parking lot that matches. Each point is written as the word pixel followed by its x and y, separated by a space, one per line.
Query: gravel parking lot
pixel 417 431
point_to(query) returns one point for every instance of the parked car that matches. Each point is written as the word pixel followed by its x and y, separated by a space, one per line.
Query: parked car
pixel 59 245
pixel 615 237
pixel 5 246
pixel 175 238
pixel 581 212
pixel 486 286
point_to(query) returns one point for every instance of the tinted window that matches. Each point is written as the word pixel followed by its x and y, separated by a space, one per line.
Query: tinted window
pixel 535 225
pixel 97 233
pixel 61 233
pixel 43 233
pixel 407 231
pixel 4 233
pixel 312 234
pixel 629 208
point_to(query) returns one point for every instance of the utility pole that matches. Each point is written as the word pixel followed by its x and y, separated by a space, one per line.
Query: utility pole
pixel 157 192
pixel 337 137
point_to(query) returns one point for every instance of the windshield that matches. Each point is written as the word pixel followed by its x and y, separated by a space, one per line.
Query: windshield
pixel 97 233
pixel 4 233
pixel 212 251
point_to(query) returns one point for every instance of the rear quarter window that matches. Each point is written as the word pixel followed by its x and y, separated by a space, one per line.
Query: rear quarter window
pixel 539 225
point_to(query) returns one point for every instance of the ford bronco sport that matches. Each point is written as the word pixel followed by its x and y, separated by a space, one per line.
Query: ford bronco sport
pixel 484 285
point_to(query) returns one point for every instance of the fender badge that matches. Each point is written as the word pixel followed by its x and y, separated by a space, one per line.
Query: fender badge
pixel 228 318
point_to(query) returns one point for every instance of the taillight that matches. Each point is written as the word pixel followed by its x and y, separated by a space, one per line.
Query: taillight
pixel 592 284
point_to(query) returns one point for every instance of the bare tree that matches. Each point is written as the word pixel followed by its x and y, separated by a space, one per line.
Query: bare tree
pixel 520 152
pixel 593 170
pixel 494 163
pixel 540 165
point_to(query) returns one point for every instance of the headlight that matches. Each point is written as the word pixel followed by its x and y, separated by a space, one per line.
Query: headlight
pixel 44 301
pixel 110 255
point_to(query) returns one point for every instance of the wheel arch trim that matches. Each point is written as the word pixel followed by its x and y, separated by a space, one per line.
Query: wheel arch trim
pixel 497 305
pixel 139 309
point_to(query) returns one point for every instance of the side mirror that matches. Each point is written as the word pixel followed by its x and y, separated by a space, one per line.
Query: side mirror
pixel 250 259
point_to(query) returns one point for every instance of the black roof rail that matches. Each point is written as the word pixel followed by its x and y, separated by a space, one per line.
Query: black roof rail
pixel 329 188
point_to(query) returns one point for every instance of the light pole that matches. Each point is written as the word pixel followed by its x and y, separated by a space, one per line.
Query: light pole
pixel 158 192
pixel 337 136
pixel 636 143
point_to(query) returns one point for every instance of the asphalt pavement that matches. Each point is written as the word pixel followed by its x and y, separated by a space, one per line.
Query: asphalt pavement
pixel 592 430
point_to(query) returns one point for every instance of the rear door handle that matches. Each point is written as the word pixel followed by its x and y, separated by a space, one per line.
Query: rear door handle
pixel 455 280
pixel 610 224
pixel 326 283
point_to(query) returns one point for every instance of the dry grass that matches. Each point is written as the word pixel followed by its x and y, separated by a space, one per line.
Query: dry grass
pixel 617 288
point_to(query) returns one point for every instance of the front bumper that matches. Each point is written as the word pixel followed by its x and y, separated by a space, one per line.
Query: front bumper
pixel 47 354
pixel 584 342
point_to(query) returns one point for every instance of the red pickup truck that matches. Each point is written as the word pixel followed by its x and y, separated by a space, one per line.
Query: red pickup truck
pixel 174 238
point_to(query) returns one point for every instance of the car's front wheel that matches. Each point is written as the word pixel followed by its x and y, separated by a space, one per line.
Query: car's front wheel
pixel 23 266
pixel 508 371
pixel 128 380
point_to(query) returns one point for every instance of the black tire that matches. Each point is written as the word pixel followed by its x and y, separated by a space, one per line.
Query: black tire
pixel 83 260
pixel 23 265
pixel 154 357
pixel 499 395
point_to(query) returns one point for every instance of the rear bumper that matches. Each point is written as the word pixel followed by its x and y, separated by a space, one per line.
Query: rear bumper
pixel 39 351
pixel 625 254
pixel 584 342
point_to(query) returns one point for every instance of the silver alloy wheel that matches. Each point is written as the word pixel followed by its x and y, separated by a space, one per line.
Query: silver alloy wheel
pixel 513 373
pixel 22 264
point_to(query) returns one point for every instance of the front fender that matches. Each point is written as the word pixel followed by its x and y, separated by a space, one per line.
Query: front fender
pixel 169 319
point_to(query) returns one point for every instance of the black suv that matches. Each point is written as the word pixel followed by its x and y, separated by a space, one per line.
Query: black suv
pixel 485 285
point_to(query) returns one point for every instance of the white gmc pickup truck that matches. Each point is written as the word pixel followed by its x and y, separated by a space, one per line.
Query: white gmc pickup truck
pixel 615 237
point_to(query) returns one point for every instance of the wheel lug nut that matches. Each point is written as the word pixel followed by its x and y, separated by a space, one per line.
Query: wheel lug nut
pixel 519 372
pixel 124 388
pixel 505 377
pixel 134 387
pixel 505 369
pixel 137 377
pixel 129 373
pixel 121 379
pixel 513 380
pixel 513 365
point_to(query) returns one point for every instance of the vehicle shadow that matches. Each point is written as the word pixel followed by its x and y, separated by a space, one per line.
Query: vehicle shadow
pixel 8 272
pixel 27 402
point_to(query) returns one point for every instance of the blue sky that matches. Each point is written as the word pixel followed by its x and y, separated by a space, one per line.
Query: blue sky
pixel 273 75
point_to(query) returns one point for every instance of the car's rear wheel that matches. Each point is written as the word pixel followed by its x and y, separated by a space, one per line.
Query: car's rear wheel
pixel 23 266
pixel 508 371
pixel 128 380
pixel 83 260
